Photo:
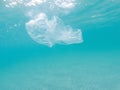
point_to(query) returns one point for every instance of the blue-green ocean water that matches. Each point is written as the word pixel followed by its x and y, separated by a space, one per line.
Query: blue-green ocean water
pixel 91 65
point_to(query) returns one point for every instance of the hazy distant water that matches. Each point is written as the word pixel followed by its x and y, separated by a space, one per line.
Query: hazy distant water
pixel 91 65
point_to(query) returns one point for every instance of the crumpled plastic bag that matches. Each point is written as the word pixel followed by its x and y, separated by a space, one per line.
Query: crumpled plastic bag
pixel 52 31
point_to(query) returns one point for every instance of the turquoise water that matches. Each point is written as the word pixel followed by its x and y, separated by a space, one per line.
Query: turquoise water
pixel 94 64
